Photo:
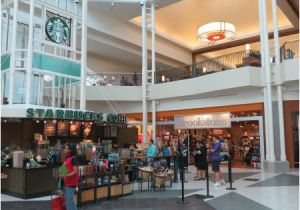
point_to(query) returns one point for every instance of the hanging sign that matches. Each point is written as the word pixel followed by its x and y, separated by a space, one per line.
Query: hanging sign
pixel 58 30
pixel 203 121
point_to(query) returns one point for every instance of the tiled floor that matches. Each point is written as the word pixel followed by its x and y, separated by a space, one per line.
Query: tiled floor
pixel 254 190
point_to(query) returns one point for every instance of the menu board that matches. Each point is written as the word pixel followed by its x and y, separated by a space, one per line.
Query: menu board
pixel 75 128
pixel 63 128
pixel 50 128
pixel 87 127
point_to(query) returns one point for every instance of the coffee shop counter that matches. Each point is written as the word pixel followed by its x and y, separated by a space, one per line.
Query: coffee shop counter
pixel 28 183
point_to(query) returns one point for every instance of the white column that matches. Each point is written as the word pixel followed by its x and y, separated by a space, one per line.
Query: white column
pixel 13 53
pixel 279 87
pixel 153 51
pixel 29 53
pixel 5 37
pixel 65 92
pixel 144 70
pixel 70 93
pixel 83 57
pixel 74 32
pixel 268 79
pixel 266 122
pixel 59 92
pixel 73 96
pixel 53 91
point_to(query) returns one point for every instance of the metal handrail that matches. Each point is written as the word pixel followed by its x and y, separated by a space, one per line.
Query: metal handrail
pixel 212 65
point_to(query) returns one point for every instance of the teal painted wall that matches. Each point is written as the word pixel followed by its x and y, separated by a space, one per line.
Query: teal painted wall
pixel 58 65
pixel 5 61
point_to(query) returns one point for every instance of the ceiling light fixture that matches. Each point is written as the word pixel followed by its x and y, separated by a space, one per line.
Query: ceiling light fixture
pixel 216 32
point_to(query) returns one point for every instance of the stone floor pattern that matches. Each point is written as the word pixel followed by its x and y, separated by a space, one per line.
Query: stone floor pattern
pixel 254 191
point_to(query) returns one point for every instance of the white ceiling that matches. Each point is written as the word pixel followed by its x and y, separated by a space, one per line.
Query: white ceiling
pixel 180 21
pixel 124 11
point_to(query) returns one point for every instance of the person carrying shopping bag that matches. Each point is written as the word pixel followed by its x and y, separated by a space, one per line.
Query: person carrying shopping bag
pixel 69 175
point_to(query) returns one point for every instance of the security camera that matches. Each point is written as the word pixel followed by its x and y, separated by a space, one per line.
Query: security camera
pixel 76 1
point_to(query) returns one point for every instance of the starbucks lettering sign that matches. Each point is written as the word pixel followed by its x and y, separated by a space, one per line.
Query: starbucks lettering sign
pixel 58 31
pixel 75 115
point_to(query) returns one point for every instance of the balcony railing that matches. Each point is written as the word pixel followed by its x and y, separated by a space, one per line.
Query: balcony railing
pixel 221 63
pixel 234 60
pixel 290 50
pixel 114 79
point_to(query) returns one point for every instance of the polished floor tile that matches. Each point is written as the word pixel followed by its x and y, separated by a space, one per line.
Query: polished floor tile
pixel 280 180
pixel 234 201
pixel 268 191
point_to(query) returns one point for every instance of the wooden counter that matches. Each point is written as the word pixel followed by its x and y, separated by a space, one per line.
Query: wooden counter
pixel 28 183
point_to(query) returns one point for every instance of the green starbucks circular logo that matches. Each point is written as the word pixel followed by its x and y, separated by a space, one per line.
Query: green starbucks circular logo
pixel 57 30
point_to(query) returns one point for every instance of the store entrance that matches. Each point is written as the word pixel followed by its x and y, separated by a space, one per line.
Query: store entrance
pixel 247 142
pixel 244 141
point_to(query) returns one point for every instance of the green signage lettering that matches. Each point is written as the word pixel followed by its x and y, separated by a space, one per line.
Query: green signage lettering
pixel 100 117
pixel 30 112
pixel 49 113
pixel 69 114
pixel 75 115
pixel 60 114
pixel 40 112
pixel 87 116
pixel 78 115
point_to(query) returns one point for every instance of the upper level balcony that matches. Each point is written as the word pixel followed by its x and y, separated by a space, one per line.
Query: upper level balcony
pixel 224 73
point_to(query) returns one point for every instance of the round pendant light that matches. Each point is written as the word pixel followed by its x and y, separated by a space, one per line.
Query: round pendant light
pixel 216 32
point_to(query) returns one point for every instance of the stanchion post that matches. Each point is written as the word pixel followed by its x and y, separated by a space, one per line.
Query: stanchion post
pixel 230 175
pixel 207 186
pixel 181 165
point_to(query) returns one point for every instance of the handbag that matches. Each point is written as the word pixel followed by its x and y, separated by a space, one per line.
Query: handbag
pixel 58 201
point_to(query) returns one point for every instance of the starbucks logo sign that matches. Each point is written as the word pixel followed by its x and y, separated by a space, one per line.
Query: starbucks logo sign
pixel 57 30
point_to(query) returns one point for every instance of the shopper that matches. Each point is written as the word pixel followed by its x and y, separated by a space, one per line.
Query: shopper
pixel 166 152
pixel 200 154
pixel 151 152
pixel 71 178
pixel 135 79
pixel 215 157
pixel 175 154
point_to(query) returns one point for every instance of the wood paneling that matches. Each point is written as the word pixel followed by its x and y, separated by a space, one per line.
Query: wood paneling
pixel 12 134
pixel 289 107
pixel 240 42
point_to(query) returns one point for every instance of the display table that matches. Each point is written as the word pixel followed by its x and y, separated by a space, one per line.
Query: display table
pixel 28 183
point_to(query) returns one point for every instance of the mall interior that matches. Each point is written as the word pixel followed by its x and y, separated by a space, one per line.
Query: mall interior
pixel 110 76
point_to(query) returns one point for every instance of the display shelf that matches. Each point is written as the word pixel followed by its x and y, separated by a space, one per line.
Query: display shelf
pixel 95 191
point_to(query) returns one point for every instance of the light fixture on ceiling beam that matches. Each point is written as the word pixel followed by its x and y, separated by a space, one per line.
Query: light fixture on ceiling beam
pixel 216 32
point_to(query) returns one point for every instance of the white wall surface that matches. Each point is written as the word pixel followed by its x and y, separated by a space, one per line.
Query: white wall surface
pixel 231 79
pixel 114 93
pixel 101 64
pixel 290 70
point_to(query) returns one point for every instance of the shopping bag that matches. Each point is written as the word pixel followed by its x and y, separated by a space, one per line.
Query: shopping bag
pixel 58 201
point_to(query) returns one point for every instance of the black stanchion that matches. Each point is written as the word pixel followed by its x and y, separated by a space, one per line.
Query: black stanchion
pixel 207 186
pixel 230 175
pixel 182 201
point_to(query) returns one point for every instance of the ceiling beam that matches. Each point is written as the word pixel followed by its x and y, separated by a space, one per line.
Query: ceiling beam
pixel 241 42
pixel 290 11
